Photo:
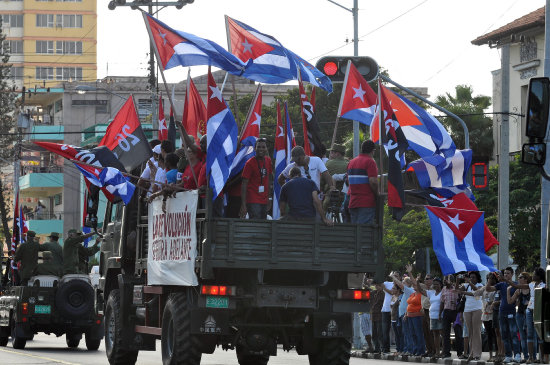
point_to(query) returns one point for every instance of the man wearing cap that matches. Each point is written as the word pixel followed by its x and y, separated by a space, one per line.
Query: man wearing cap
pixel 47 267
pixel 312 167
pixel 336 165
pixel 70 251
pixel 363 185
pixel 27 253
pixel 84 253
pixel 56 250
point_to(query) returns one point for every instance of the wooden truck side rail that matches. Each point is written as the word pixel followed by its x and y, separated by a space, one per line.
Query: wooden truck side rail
pixel 286 245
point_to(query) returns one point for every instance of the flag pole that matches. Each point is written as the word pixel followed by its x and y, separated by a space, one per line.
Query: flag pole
pixel 246 121
pixel 235 106
pixel 183 132
pixel 381 147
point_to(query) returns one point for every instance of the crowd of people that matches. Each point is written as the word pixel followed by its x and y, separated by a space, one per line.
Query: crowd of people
pixel 312 187
pixel 496 316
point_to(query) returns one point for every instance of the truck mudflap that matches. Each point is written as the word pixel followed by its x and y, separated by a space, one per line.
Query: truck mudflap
pixel 210 321
pixel 332 325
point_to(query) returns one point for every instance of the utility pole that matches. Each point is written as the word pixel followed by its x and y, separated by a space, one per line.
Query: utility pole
pixel 355 13
pixel 545 184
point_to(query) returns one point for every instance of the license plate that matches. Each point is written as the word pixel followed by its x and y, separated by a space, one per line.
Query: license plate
pixel 42 309
pixel 217 302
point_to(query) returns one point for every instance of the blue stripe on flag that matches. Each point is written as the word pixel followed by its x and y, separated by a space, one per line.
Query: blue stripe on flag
pixel 439 245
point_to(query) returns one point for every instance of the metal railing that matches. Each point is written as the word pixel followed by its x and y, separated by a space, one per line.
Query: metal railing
pixel 41 169
pixel 43 215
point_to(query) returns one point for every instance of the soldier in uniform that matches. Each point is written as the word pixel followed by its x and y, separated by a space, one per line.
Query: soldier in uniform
pixel 55 248
pixel 336 165
pixel 47 266
pixel 84 253
pixel 27 253
pixel 70 251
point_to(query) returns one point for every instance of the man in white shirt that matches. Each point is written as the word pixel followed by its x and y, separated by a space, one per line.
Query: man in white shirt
pixel 311 167
pixel 150 169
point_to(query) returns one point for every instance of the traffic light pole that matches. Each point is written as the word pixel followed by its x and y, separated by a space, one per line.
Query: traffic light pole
pixel 440 108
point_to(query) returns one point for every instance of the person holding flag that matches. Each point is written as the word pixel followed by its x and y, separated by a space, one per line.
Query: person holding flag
pixel 256 180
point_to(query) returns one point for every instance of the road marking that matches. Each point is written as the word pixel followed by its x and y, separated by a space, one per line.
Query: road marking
pixel 39 357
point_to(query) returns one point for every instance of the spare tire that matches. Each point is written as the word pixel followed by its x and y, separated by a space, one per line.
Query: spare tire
pixel 75 299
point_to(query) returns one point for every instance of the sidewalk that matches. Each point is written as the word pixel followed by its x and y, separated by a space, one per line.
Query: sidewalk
pixel 419 359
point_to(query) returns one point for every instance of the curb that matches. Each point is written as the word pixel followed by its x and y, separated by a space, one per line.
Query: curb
pixel 420 359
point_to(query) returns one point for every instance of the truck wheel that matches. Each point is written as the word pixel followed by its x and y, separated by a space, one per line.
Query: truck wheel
pixel 335 351
pixel 17 342
pixel 251 359
pixel 177 344
pixel 75 299
pixel 92 345
pixel 4 336
pixel 113 333
pixel 73 339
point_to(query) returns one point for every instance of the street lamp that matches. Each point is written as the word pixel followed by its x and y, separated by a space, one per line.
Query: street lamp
pixel 83 89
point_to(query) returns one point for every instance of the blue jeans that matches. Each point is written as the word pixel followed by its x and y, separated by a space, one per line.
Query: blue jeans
pixel 508 331
pixel 520 322
pixel 532 335
pixel 397 330
pixel 256 211
pixel 362 215
pixel 407 335
pixel 417 335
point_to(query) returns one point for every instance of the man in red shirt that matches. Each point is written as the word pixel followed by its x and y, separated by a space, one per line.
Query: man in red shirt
pixel 256 180
pixel 363 185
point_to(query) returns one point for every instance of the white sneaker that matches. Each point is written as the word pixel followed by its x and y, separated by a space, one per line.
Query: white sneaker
pixel 517 358
pixel 507 360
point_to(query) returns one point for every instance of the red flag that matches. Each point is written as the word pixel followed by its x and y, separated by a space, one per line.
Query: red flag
pixel 163 129
pixel 126 138
pixel 396 145
pixel 312 133
pixel 312 98
pixel 194 112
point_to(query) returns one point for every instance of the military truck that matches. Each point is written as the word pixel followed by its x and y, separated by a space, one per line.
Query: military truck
pixel 197 282
pixel 53 305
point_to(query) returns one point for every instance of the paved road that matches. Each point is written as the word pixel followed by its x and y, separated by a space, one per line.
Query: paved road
pixel 46 349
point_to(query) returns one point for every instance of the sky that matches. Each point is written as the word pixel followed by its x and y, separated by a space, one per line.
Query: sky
pixel 422 43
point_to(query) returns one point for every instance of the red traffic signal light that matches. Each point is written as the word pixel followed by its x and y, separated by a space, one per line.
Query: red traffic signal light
pixel 335 67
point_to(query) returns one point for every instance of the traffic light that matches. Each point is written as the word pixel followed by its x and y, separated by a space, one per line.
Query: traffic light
pixel 335 67
pixel 480 173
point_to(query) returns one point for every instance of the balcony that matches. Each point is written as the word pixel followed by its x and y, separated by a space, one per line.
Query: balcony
pixel 45 222
pixel 42 132
pixel 41 180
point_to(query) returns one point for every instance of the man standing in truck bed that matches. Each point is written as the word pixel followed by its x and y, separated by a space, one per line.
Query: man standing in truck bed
pixel 70 251
pixel 55 248
pixel 27 253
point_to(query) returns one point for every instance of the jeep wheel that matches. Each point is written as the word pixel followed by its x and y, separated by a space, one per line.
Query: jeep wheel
pixel 92 345
pixel 17 342
pixel 73 339
pixel 178 346
pixel 4 336
pixel 113 333
pixel 334 351
pixel 75 299
pixel 247 359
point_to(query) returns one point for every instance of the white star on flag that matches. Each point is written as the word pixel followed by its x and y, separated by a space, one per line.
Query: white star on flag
pixel 216 93
pixel 282 132
pixel 456 221
pixel 247 46
pixel 163 36
pixel 359 93
pixel 258 119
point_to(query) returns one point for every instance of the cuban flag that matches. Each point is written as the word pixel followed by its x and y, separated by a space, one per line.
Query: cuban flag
pixel 20 228
pixel 163 128
pixel 455 174
pixel 177 48
pixel 279 156
pixel 110 180
pixel 271 62
pixel 251 132
pixel 222 134
pixel 458 240
pixel 358 101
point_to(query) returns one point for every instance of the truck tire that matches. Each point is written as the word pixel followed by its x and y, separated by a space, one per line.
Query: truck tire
pixel 4 336
pixel 335 351
pixel 75 299
pixel 178 346
pixel 17 342
pixel 113 333
pixel 92 344
pixel 251 359
pixel 73 339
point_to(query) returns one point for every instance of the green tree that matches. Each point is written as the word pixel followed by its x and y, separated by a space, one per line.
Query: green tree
pixel 471 109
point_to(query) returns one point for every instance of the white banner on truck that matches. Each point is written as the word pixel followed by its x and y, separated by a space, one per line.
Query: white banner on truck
pixel 173 241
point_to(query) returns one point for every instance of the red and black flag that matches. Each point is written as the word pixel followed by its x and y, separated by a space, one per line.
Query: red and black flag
pixel 100 156
pixel 126 138
pixel 313 146
pixel 396 144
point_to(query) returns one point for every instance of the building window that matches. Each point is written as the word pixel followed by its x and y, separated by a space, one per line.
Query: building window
pixel 58 199
pixel 68 47
pixel 16 73
pixel 44 47
pixel 12 20
pixel 69 20
pixel 13 47
pixel 44 73
pixel 68 73
pixel 44 20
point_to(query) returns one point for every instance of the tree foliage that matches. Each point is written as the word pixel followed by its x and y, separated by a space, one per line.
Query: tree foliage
pixel 7 102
